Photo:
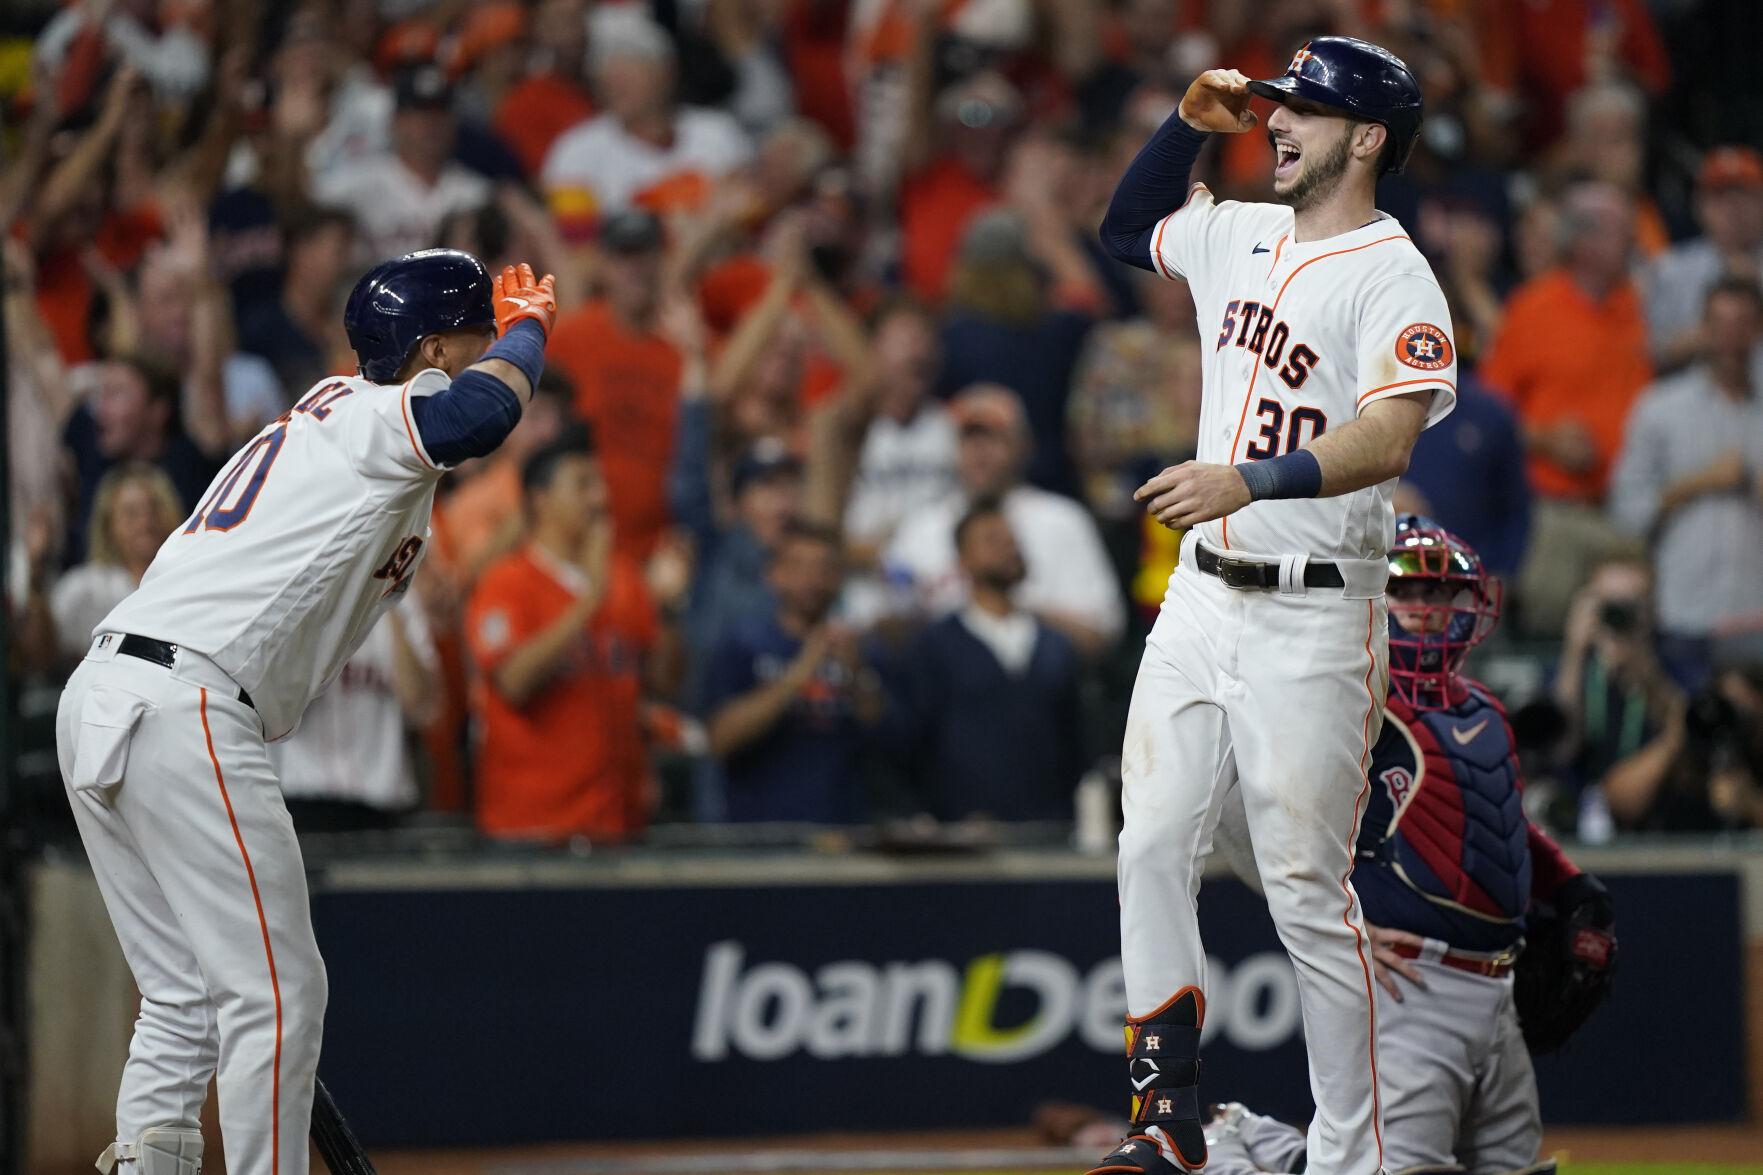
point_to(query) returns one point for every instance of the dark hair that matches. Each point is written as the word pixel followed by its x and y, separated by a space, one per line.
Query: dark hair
pixel 576 440
pixel 804 530
pixel 488 225
pixel 979 511
pixel 1738 286
pixel 163 384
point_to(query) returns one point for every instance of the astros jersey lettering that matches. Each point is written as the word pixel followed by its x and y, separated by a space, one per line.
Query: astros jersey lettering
pixel 310 532
pixel 1298 338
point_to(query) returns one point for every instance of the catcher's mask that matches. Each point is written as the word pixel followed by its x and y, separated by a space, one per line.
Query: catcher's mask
pixel 1442 604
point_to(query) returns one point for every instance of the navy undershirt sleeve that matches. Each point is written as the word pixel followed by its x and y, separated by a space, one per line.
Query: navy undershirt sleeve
pixel 1155 184
pixel 470 418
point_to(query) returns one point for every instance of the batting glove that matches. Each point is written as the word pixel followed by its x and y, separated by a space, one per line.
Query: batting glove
pixel 516 295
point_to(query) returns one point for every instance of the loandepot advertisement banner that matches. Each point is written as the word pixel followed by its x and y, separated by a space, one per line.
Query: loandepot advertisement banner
pixel 503 1016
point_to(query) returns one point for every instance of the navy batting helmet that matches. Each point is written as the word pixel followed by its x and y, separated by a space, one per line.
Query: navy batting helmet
pixel 400 302
pixel 1361 80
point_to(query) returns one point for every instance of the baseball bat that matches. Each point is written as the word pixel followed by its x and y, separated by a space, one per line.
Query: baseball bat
pixel 336 1143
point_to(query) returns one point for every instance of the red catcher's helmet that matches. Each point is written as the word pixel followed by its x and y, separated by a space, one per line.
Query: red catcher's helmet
pixel 1442 604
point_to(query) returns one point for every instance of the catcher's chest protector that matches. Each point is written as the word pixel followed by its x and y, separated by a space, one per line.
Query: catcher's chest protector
pixel 1460 836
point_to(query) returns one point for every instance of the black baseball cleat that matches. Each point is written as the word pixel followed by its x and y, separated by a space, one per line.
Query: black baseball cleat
pixel 1137 1155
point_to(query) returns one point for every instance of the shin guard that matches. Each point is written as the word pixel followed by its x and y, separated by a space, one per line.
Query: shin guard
pixel 1163 1056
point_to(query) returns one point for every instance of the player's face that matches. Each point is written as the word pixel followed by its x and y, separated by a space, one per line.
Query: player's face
pixel 1422 606
pixel 1312 146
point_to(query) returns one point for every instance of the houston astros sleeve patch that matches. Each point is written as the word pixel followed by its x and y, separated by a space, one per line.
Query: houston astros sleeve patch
pixel 1424 346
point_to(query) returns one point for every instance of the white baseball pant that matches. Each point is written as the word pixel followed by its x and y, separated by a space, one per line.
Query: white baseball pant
pixel 1279 692
pixel 184 824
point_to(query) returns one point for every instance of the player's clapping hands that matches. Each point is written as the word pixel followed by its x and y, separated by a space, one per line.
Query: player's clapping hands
pixel 1193 492
pixel 516 294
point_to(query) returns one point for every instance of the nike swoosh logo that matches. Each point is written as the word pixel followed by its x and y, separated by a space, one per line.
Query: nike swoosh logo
pixel 1465 737
pixel 1258 249
pixel 517 303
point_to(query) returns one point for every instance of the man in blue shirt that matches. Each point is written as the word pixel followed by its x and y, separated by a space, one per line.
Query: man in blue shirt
pixel 789 694
pixel 1469 473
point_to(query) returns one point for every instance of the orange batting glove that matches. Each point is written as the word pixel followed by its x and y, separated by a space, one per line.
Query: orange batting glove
pixel 516 295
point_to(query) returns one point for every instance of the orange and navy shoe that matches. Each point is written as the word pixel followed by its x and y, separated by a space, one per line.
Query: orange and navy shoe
pixel 1139 1154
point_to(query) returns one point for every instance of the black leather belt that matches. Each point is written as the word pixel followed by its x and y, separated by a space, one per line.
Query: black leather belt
pixel 1252 573
pixel 161 653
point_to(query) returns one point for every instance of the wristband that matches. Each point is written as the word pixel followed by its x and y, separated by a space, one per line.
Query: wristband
pixel 524 346
pixel 1295 475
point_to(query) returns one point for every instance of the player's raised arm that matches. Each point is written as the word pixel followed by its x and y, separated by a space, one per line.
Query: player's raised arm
pixel 1156 182
pixel 482 404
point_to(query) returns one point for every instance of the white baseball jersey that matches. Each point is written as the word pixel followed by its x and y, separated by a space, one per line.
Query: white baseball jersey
pixel 310 532
pixel 351 744
pixel 1299 338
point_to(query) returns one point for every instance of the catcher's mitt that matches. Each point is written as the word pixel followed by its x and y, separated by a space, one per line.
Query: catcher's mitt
pixel 1568 962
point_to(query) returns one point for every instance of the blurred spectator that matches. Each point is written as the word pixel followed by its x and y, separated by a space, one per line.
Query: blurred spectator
pixel 1135 399
pixel 627 377
pixel 1620 704
pixel 644 149
pixel 1705 773
pixel 991 712
pixel 1563 44
pixel 167 51
pixel 1022 298
pixel 483 518
pixel 293 331
pixel 765 493
pixel 349 767
pixel 553 96
pixel 134 509
pixel 133 415
pixel 883 450
pixel 1607 142
pixel 399 198
pixel 187 326
pixel 789 694
pixel 1468 472
pixel 955 167
pixel 1571 355
pixel 515 227
pixel 1070 584
pixel 564 634
pixel 1729 210
pixel 1690 482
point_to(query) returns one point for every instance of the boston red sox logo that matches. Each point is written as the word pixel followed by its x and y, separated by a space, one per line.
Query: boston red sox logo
pixel 1425 346
pixel 1397 781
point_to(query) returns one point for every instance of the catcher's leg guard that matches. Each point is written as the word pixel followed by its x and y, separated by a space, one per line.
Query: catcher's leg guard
pixel 1163 1059
pixel 161 1150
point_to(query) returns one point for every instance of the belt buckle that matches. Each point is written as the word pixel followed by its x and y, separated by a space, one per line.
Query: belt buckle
pixel 1239 574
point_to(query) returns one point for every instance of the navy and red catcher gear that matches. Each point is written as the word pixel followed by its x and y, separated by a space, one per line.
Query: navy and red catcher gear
pixel 1426 655
pixel 400 302
pixel 1362 80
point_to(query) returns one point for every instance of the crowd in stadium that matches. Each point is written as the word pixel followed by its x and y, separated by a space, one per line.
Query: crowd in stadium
pixel 823 510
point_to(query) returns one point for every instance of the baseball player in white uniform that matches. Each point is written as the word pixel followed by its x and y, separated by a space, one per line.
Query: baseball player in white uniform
pixel 309 534
pixel 1328 351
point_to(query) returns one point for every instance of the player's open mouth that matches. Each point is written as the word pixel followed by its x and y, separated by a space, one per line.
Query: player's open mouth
pixel 1286 160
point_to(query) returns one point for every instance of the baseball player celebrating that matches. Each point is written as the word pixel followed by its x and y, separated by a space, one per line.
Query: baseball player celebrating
pixel 1330 349
pixel 250 607
pixel 1451 875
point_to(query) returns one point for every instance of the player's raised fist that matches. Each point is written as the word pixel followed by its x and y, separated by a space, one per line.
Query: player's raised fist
pixel 1218 100
pixel 517 295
